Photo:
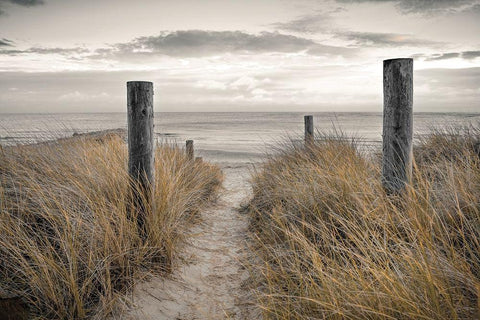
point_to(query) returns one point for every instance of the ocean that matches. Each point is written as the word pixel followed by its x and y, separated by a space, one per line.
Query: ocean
pixel 221 137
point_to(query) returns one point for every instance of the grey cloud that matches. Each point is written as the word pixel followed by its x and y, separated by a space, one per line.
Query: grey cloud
pixel 418 56
pixel 26 3
pixel 43 50
pixel 443 56
pixel 320 23
pixel 468 55
pixel 197 43
pixel 305 24
pixel 384 39
pixel 323 50
pixel 422 6
pixel 6 43
pixel 429 5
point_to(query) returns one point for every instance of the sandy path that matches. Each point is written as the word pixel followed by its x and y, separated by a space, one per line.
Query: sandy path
pixel 207 283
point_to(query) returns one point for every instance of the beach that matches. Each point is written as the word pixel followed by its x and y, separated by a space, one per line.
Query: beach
pixel 210 269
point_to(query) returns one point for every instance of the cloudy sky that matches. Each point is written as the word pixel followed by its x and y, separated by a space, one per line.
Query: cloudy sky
pixel 232 55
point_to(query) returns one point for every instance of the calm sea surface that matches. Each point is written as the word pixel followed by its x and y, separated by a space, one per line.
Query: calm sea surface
pixel 220 137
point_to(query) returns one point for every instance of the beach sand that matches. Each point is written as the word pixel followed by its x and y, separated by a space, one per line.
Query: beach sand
pixel 207 279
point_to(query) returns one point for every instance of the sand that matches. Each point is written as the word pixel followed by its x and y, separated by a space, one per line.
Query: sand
pixel 207 279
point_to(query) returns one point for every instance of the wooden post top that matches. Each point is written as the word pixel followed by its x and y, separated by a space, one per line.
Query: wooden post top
pixel 139 82
pixel 397 59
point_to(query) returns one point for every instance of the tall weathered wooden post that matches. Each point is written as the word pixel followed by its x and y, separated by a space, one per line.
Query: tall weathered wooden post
pixel 189 149
pixel 308 130
pixel 141 147
pixel 397 123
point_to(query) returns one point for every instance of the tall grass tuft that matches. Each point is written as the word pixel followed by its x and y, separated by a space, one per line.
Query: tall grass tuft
pixel 67 244
pixel 331 244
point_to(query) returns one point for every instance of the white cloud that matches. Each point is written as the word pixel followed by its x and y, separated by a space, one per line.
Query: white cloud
pixel 248 83
pixel 77 96
pixel 211 85
pixel 244 82
pixel 260 92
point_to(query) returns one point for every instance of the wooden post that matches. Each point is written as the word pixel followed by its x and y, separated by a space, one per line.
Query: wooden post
pixel 141 147
pixel 189 150
pixel 397 123
pixel 308 130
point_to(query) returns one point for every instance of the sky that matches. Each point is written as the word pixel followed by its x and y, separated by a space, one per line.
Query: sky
pixel 232 55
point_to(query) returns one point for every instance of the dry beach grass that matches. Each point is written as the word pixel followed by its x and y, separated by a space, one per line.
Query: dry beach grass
pixel 328 241
pixel 331 244
pixel 67 245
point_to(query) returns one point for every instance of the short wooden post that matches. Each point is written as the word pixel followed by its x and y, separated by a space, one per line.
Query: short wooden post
pixel 141 147
pixel 189 150
pixel 308 130
pixel 397 123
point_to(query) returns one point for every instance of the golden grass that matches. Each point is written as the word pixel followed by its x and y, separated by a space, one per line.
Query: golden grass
pixel 67 245
pixel 331 244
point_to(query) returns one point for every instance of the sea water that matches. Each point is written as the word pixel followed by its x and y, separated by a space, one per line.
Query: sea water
pixel 221 137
